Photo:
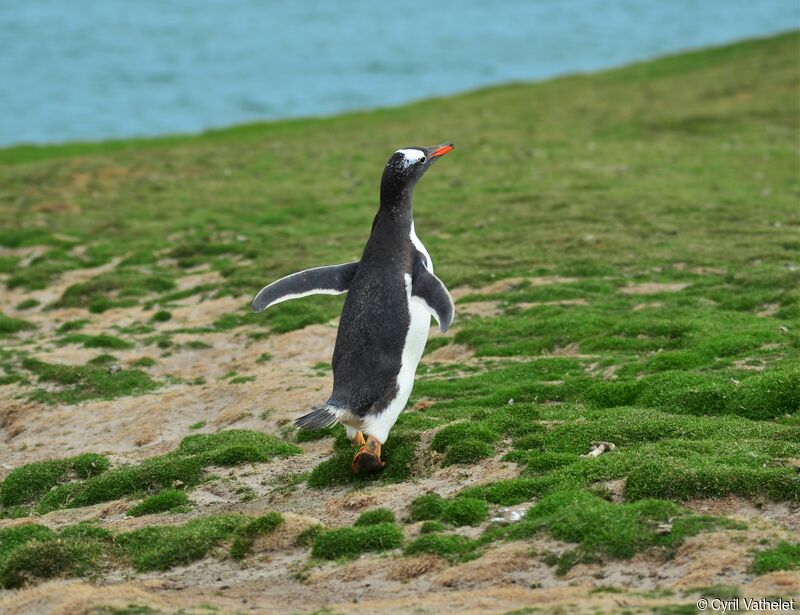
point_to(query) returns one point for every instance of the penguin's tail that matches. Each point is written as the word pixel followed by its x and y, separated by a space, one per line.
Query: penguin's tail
pixel 318 418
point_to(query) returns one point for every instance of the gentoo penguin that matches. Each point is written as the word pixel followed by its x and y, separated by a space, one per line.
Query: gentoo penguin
pixel 391 295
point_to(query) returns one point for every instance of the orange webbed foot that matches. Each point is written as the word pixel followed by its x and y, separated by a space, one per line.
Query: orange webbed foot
pixel 368 457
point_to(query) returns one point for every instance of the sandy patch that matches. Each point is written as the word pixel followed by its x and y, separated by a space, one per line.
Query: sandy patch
pixel 452 353
pixel 769 309
pixel 502 286
pixel 651 305
pixel 653 288
pixel 481 309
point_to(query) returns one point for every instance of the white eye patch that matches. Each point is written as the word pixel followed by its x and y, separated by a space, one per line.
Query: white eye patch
pixel 411 156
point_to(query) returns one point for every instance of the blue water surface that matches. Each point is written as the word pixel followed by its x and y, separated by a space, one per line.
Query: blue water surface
pixel 97 69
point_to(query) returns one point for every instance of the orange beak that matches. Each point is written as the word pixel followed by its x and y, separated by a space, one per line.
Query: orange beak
pixel 442 150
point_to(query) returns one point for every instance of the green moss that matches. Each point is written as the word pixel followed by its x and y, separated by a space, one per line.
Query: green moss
pixel 83 382
pixel 87 530
pixel 169 499
pixel 450 546
pixel 772 394
pixel 246 535
pixel 506 492
pixel 352 541
pixel 32 552
pixel 8 263
pixel 89 464
pixel 29 482
pixel 702 476
pixel 374 517
pixel 117 288
pixel 103 360
pixel 197 425
pixel 429 527
pixel 241 379
pixel 13 537
pixel 603 529
pixel 61 557
pixel 764 396
pixel 27 304
pixel 459 511
pixel 72 325
pixel 467 452
pixel 43 269
pixel 307 537
pixel 236 446
pixel 9 325
pixel 161 316
pixel 465 511
pixel 307 435
pixel 784 556
pixel 428 506
pixel 95 341
pixel 144 362
pixel 185 465
pixel 610 394
pixel 163 547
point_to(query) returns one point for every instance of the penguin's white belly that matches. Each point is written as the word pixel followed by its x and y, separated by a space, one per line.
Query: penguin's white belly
pixel 414 346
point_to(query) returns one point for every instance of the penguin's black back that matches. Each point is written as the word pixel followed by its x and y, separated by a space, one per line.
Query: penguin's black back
pixel 375 320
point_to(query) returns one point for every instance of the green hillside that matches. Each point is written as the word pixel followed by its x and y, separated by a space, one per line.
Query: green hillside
pixel 647 219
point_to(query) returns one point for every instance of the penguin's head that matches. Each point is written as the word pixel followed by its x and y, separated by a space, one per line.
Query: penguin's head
pixel 407 166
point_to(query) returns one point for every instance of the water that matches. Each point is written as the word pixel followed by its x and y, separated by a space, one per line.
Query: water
pixel 97 69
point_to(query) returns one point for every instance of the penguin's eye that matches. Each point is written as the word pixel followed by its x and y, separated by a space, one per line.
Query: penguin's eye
pixel 421 160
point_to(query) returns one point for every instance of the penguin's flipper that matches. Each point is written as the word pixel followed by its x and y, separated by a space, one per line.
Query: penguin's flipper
pixel 331 280
pixel 434 293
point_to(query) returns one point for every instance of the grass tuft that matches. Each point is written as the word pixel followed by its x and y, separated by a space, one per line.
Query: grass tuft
pixel 60 557
pixel 29 482
pixel 602 529
pixel 374 517
pixel 784 556
pixel 167 500
pixel 427 507
pixel 353 541
pixel 450 546
pixel 183 466
pixel 79 383
pixel 164 547
pixel 9 325
pixel 247 534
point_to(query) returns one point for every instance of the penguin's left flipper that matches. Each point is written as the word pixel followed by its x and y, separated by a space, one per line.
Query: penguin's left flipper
pixel 434 293
pixel 331 280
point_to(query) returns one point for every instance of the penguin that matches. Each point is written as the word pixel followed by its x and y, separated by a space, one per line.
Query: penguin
pixel 392 293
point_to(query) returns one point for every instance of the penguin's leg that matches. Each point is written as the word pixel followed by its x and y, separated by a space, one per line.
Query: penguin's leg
pixel 368 457
pixel 356 437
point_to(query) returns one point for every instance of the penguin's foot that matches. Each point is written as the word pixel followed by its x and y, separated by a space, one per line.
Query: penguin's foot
pixel 358 439
pixel 368 457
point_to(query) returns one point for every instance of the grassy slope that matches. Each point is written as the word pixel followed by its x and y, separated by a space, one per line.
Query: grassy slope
pixel 681 170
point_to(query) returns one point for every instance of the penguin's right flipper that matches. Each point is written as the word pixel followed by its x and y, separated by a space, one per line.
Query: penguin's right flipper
pixel 434 293
pixel 331 280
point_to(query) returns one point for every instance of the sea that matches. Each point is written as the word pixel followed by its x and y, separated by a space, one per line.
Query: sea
pixel 88 70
